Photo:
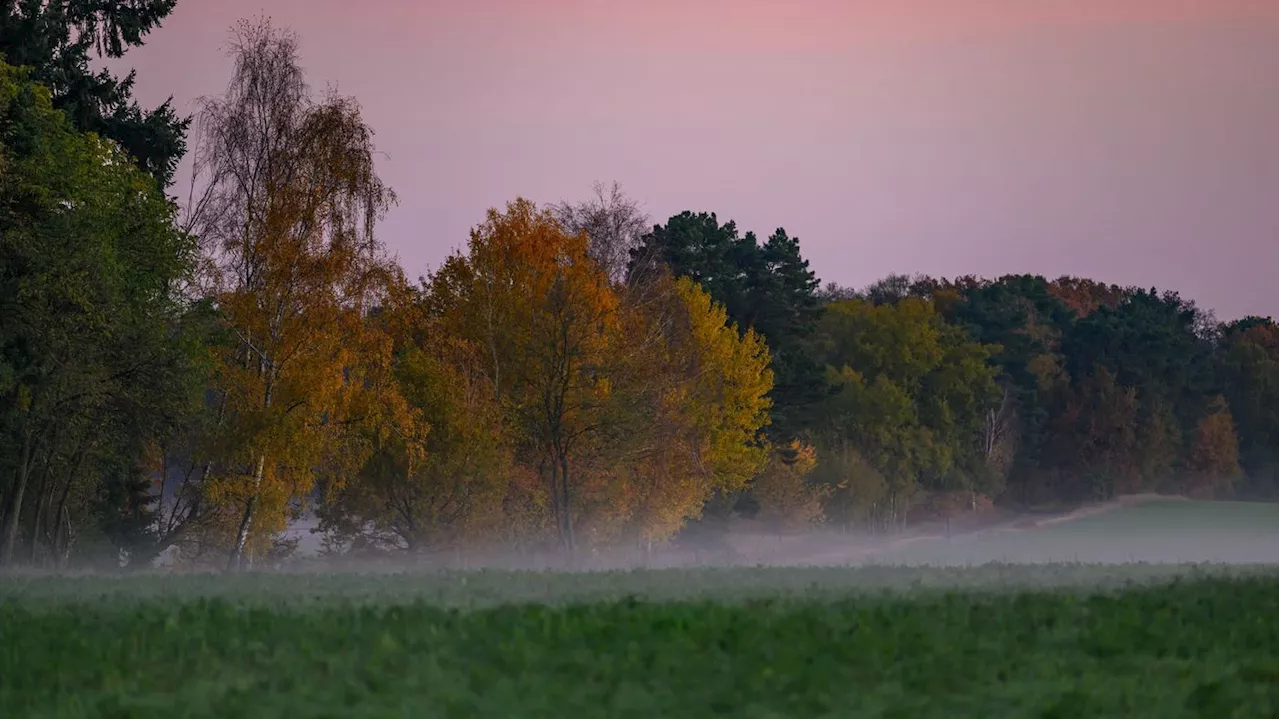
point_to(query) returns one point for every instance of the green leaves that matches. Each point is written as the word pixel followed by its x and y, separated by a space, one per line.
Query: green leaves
pixel 910 394
pixel 89 256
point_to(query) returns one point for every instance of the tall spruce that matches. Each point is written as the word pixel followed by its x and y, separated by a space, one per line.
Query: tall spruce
pixel 57 39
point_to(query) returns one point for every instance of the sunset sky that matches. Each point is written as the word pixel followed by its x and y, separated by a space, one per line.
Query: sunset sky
pixel 1131 141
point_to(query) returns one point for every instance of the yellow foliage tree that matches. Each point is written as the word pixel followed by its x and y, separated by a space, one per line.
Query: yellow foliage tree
pixel 786 498
pixel 631 409
pixel 287 213
pixel 1213 464
pixel 690 400
pixel 542 312
pixel 437 480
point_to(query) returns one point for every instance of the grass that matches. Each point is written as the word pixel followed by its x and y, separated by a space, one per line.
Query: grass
pixel 1035 634
pixel 1036 641
pixel 486 588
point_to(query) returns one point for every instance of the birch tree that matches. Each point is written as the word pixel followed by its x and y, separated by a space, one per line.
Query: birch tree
pixel 287 202
pixel 614 225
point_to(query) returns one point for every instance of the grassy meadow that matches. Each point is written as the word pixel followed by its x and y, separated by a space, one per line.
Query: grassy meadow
pixel 1036 639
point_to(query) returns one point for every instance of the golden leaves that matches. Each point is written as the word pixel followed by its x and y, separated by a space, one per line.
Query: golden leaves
pixel 786 499
pixel 517 388
pixel 287 209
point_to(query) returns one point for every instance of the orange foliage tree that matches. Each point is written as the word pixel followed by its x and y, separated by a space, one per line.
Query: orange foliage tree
pixel 787 500
pixel 631 408
pixel 542 312
pixel 440 471
pixel 287 212
pixel 1213 462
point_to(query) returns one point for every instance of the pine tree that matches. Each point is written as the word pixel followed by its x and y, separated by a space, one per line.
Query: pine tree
pixel 57 39
pixel 767 288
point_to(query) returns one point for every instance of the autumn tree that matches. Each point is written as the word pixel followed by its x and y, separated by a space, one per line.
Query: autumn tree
pixel 1083 296
pixel 439 468
pixel 290 197
pixel 786 498
pixel 632 402
pixel 541 310
pixel 688 400
pixel 767 287
pixel 1212 465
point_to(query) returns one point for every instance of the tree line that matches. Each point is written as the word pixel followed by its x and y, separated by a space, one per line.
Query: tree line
pixel 195 376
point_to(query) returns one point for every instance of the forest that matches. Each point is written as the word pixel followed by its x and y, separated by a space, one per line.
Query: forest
pixel 195 374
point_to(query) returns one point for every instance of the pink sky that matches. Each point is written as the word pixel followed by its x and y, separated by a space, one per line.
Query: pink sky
pixel 1131 141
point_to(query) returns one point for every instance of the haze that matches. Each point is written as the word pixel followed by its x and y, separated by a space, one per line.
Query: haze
pixel 1131 141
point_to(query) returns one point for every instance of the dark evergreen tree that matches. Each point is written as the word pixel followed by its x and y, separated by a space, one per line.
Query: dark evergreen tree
pixel 1151 342
pixel 766 287
pixel 58 38
pixel 1248 372
pixel 91 352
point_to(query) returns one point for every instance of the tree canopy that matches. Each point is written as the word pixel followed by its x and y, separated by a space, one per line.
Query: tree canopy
pixel 57 39
pixel 572 380
pixel 767 287
pixel 91 355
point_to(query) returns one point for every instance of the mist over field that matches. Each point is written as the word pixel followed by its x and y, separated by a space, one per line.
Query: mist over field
pixel 625 452
pixel 1149 529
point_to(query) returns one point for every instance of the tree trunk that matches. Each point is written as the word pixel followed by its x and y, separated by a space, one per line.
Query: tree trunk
pixel 13 508
pixel 246 521
pixel 34 549
pixel 552 478
pixel 61 540
pixel 570 543
pixel 64 544
pixel 38 519
pixel 44 496
pixel 237 557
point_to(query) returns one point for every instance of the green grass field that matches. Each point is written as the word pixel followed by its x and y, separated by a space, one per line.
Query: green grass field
pixel 1028 639
pixel 1036 641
